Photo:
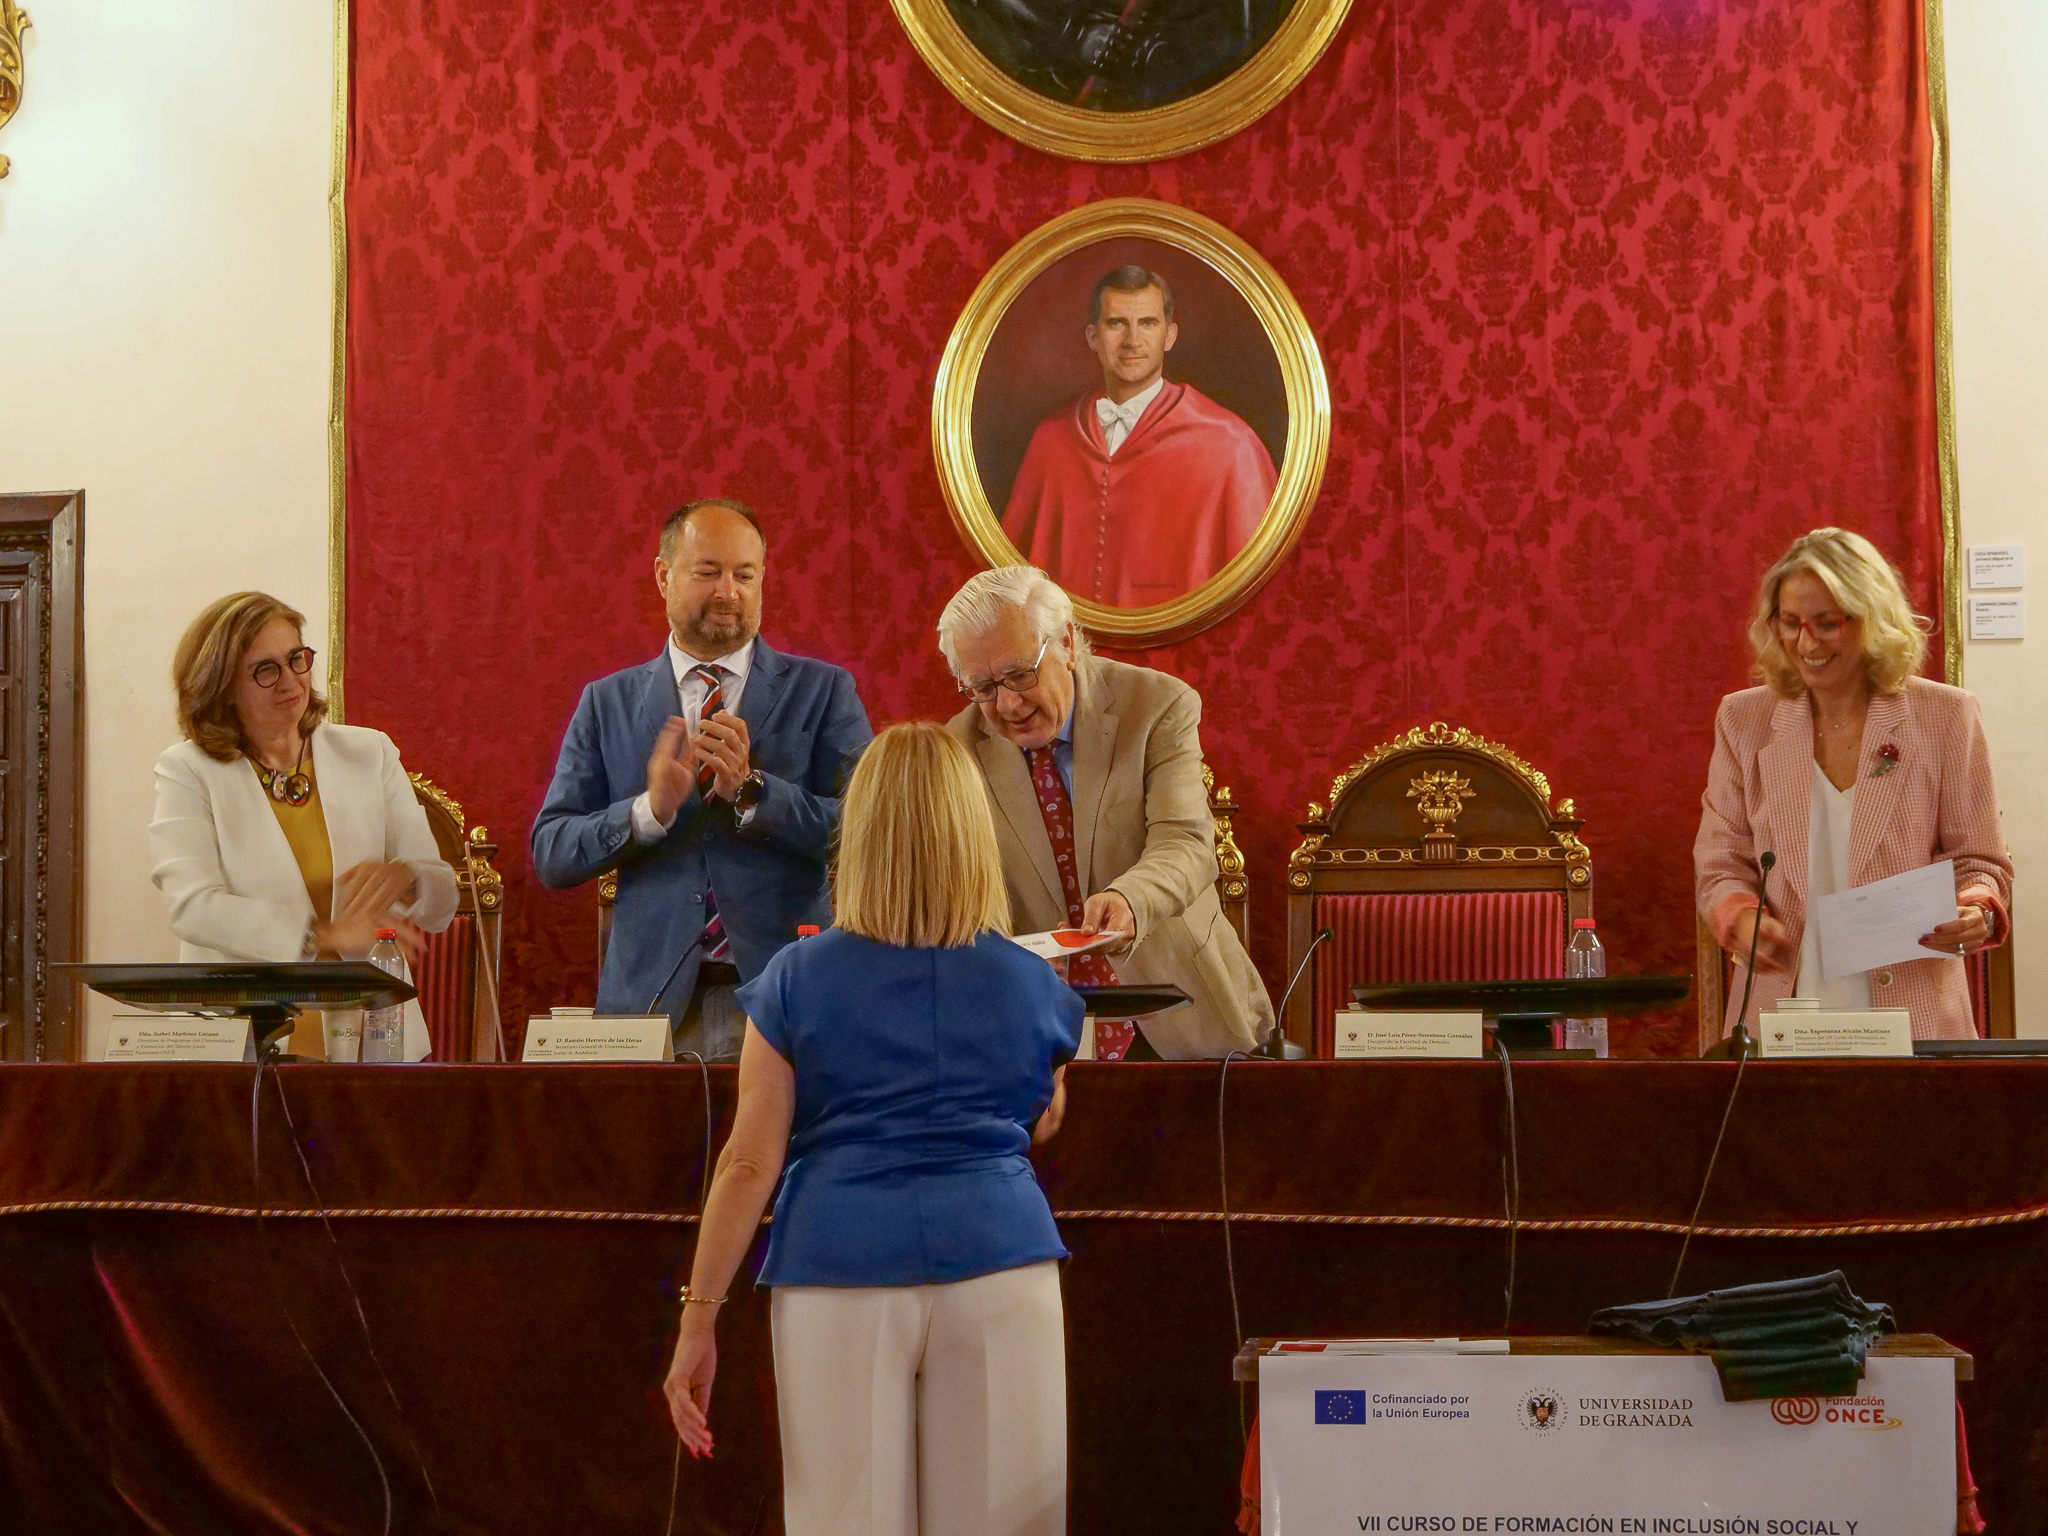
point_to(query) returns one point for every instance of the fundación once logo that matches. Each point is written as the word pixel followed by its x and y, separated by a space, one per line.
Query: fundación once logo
pixel 1341 1407
pixel 1541 1410
pixel 1862 1413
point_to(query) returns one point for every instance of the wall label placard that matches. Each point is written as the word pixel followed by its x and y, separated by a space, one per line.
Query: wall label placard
pixel 1998 567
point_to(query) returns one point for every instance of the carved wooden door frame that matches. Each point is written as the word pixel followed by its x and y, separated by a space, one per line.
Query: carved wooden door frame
pixel 53 931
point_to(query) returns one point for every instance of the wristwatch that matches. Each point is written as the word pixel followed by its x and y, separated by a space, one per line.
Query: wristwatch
pixel 750 791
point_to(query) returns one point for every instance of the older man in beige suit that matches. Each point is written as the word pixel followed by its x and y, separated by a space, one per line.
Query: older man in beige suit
pixel 1095 772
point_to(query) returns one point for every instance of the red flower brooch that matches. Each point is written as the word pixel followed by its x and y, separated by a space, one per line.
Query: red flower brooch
pixel 1887 760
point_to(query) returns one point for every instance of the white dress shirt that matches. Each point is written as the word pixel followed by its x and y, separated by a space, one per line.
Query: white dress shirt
pixel 691 692
pixel 1119 420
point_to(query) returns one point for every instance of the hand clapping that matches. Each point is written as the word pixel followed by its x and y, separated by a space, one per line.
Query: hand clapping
pixel 722 745
pixel 368 892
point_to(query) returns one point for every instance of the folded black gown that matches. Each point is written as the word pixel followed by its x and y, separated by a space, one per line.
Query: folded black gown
pixel 1785 1338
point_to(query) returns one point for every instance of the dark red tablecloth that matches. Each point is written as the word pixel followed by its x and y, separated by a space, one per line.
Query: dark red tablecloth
pixel 515 1233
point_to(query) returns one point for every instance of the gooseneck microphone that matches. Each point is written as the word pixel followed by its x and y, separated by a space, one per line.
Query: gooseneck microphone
pixel 1764 863
pixel 654 1006
pixel 1323 936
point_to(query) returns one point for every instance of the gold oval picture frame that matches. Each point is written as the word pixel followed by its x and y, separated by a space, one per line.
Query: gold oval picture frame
pixel 1246 382
pixel 1079 132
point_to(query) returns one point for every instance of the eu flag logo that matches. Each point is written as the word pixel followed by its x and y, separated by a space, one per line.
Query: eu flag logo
pixel 1340 1407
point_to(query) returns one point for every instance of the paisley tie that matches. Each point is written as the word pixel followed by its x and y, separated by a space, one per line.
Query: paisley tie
pixel 1111 1040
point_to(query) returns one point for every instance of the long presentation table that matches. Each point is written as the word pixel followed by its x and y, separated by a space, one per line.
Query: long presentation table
pixel 515 1235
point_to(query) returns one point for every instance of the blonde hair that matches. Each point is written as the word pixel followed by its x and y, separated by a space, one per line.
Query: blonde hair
pixel 918 864
pixel 208 664
pixel 1865 587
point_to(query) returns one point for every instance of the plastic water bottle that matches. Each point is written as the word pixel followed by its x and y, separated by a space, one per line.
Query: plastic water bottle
pixel 1584 957
pixel 384 1028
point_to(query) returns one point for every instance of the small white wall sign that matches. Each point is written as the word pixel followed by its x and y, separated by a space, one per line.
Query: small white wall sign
pixel 1998 567
pixel 1998 618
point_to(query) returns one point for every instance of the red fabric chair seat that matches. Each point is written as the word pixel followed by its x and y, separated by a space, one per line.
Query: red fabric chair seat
pixel 446 977
pixel 1435 936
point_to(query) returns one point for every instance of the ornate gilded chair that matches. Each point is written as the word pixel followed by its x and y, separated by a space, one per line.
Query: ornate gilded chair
pixel 458 977
pixel 1233 887
pixel 1438 858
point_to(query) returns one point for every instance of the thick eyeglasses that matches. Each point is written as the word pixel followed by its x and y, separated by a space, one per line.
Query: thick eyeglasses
pixel 1825 630
pixel 1023 680
pixel 266 673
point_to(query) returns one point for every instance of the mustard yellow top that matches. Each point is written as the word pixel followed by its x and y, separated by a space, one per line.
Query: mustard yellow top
pixel 305 828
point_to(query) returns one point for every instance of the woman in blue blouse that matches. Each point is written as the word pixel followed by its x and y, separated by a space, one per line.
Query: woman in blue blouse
pixel 903 1062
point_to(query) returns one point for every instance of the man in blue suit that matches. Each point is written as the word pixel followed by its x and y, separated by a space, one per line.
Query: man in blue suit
pixel 710 779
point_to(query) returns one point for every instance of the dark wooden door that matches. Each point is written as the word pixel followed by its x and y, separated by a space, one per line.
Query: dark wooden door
pixel 40 767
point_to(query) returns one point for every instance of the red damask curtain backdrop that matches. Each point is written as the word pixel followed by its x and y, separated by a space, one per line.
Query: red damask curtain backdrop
pixel 1616 298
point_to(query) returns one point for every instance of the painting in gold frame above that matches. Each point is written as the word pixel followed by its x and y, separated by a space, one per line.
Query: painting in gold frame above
pixel 1120 82
pixel 1164 516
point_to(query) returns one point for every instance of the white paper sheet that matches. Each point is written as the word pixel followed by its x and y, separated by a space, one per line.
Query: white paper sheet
pixel 1881 923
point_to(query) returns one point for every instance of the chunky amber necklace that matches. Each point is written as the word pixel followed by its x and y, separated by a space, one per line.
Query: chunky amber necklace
pixel 289 785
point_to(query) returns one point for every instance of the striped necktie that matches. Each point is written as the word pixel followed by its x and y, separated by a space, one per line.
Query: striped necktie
pixel 714 701
pixel 715 945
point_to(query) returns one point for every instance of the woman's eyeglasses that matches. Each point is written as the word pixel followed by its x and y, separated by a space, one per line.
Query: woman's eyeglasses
pixel 1826 630
pixel 266 673
pixel 1023 680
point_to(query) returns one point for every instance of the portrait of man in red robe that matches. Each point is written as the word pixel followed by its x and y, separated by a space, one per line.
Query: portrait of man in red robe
pixel 1143 488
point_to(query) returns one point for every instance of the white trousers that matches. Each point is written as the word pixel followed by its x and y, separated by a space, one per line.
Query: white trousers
pixel 926 1410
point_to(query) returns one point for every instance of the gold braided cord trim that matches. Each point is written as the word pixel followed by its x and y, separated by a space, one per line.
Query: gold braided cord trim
pixel 1577 1223
pixel 1268 1218
pixel 383 1213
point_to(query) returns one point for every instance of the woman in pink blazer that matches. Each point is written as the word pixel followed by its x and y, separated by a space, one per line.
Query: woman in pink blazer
pixel 1851 769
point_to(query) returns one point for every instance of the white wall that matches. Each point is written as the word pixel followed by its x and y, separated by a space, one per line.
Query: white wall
pixel 165 345
pixel 1998 120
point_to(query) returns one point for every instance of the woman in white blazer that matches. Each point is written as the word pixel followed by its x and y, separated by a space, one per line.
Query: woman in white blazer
pixel 259 757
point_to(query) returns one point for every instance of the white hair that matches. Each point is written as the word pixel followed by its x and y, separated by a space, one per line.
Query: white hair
pixel 988 595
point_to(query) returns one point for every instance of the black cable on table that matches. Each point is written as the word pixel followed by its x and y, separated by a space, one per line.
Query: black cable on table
pixel 1510 1179
pixel 284 1305
pixel 1727 1113
pixel 355 1298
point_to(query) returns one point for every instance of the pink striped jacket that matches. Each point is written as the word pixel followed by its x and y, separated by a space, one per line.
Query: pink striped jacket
pixel 1936 802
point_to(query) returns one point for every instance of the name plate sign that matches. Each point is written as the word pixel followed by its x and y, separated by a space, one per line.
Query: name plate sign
pixel 1796 1032
pixel 176 1037
pixel 590 1037
pixel 1602 1445
pixel 1372 1035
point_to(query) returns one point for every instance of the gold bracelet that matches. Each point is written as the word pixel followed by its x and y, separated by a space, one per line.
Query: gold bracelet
pixel 688 1297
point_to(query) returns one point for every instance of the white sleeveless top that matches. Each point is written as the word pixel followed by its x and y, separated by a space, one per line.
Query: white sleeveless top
pixel 1827 872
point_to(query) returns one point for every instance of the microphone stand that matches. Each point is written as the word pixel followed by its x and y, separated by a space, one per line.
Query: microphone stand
pixel 1278 1052
pixel 1740 1037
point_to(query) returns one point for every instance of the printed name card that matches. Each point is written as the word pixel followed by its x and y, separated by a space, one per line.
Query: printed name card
pixel 1371 1035
pixel 591 1037
pixel 1795 1031
pixel 176 1037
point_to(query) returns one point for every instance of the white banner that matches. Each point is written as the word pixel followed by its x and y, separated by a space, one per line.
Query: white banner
pixel 1598 1445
